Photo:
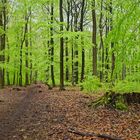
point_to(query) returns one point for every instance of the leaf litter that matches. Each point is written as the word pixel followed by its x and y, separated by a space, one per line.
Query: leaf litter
pixel 36 113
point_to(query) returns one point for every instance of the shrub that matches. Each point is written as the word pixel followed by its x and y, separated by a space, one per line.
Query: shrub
pixel 92 84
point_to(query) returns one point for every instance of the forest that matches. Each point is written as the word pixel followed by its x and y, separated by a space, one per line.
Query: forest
pixel 68 63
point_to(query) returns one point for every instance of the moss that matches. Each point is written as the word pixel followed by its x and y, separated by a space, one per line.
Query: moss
pixel 117 100
pixel 120 102
pixel 121 106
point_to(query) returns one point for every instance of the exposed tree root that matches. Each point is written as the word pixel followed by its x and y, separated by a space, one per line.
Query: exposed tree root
pixel 83 134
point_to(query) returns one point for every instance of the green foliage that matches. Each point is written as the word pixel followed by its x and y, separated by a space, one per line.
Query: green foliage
pixel 92 84
pixel 126 87
pixel 120 103
pixel 134 77
pixel 124 35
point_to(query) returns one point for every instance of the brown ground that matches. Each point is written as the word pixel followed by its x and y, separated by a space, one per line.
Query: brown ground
pixel 36 113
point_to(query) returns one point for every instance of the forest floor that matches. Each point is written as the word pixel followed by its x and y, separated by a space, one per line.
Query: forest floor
pixel 36 113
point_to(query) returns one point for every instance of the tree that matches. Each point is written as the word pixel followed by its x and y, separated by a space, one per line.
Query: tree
pixel 2 39
pixel 52 44
pixel 94 50
pixel 67 10
pixel 112 43
pixel 61 46
pixel 82 43
pixel 27 45
pixel 101 41
pixel 24 39
pixel 75 49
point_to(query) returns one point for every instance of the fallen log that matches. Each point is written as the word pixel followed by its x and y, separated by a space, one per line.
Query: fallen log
pixel 86 134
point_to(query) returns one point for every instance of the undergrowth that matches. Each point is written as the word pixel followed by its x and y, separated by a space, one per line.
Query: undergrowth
pixel 93 85
pixel 113 95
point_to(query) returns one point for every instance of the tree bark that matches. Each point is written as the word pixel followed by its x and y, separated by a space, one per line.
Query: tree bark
pixel 82 43
pixel 61 46
pixel 2 39
pixel 101 42
pixel 26 54
pixel 67 50
pixel 106 50
pixel 30 41
pixel 94 49
pixel 52 45
pixel 21 49
pixel 75 66
pixel 112 43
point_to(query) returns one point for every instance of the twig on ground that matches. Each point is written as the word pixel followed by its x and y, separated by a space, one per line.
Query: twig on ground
pixel 86 134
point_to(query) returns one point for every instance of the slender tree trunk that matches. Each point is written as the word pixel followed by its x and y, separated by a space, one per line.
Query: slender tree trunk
pixel 106 50
pixel 72 58
pixel 8 60
pixel 66 50
pixel 123 71
pixel 2 39
pixel 76 63
pixel 61 47
pixel 94 61
pixel 82 42
pixel 1 49
pixel 52 45
pixel 30 30
pixel 26 54
pixel 47 55
pixel 7 45
pixel 72 48
pixel 83 61
pixel 14 78
pixel 75 66
pixel 21 49
pixel 101 42
pixel 20 67
pixel 112 43
pixel 4 36
pixel 67 59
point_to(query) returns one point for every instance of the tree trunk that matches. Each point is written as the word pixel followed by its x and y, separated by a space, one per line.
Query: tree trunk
pixel 72 47
pixel 30 30
pixel 106 50
pixel 61 47
pixel 82 43
pixel 21 49
pixel 101 42
pixel 8 60
pixel 94 50
pixel 20 67
pixel 47 55
pixel 26 54
pixel 72 58
pixel 67 51
pixel 112 43
pixel 2 39
pixel 123 71
pixel 75 66
pixel 52 45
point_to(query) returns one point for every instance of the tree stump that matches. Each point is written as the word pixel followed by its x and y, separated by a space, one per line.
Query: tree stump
pixel 117 100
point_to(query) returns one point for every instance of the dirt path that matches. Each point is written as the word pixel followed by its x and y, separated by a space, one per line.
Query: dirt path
pixel 11 118
pixel 36 113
